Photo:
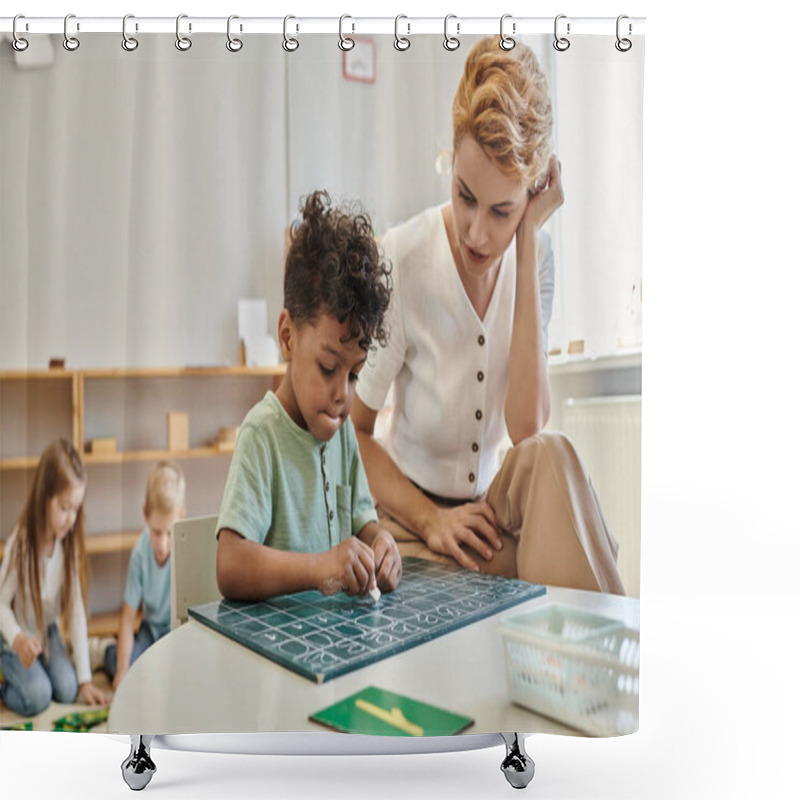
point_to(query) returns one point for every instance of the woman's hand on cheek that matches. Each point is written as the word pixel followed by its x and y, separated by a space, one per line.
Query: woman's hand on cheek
pixel 472 525
pixel 544 202
pixel 388 564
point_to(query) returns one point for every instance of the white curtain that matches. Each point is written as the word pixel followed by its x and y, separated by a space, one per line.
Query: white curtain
pixel 143 194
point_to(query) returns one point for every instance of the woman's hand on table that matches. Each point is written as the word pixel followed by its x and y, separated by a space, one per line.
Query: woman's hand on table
pixel 545 200
pixel 472 525
pixel 388 564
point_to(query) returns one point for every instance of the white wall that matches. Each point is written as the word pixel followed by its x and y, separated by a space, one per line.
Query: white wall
pixel 598 94
pixel 142 194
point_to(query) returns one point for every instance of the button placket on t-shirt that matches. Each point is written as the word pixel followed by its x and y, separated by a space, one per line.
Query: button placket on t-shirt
pixel 329 501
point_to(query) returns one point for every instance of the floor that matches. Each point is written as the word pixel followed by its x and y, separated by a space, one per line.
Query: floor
pixel 45 720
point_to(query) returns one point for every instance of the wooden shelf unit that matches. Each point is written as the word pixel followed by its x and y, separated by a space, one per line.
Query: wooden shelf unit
pixel 37 406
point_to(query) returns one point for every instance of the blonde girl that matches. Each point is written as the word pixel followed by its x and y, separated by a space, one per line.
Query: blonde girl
pixel 467 355
pixel 43 580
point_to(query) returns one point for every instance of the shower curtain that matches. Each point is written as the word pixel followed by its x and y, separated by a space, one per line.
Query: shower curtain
pixel 145 191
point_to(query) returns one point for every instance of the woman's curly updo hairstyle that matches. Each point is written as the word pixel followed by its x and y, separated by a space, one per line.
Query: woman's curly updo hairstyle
pixel 335 267
pixel 503 102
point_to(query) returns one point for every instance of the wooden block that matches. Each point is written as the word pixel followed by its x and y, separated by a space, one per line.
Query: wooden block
pixel 228 435
pixel 57 363
pixel 177 431
pixel 575 347
pixel 103 444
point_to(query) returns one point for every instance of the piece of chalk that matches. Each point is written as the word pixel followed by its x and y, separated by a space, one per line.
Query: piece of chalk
pixel 375 593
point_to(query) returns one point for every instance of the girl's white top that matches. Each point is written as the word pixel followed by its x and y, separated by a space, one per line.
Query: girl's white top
pixel 15 619
pixel 449 368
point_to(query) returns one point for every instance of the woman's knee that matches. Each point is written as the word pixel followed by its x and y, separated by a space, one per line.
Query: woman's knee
pixel 556 446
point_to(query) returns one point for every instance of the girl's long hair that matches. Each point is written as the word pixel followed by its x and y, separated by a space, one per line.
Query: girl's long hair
pixel 60 467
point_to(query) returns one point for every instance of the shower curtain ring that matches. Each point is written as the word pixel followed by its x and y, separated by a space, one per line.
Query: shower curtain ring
pixel 71 43
pixel 18 43
pixel 401 42
pixel 623 45
pixel 233 44
pixel 345 42
pixel 451 42
pixel 561 43
pixel 183 43
pixel 290 44
pixel 129 43
pixel 506 42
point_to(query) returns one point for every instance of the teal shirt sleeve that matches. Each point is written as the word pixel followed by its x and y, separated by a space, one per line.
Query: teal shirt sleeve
pixel 134 586
pixel 363 509
pixel 247 500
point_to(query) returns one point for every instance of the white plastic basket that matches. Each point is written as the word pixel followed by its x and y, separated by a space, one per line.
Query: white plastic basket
pixel 578 668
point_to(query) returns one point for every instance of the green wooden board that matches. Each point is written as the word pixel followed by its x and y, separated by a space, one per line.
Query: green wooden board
pixel 378 712
pixel 322 637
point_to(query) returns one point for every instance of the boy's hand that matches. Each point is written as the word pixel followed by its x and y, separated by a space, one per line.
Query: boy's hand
pixel 27 649
pixel 349 567
pixel 388 564
pixel 88 693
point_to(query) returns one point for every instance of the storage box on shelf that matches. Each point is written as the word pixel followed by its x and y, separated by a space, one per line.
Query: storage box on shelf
pixel 130 406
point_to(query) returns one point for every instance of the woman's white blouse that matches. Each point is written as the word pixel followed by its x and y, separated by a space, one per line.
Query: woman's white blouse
pixel 449 368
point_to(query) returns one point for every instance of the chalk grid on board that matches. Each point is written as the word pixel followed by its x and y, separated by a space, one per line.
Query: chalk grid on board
pixel 322 637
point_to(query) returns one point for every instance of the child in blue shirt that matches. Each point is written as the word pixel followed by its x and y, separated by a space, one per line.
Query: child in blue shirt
pixel 148 584
pixel 297 513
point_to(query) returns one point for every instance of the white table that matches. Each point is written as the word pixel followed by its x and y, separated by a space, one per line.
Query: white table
pixel 195 680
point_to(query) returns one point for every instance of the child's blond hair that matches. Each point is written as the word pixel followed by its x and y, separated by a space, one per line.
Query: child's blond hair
pixel 503 102
pixel 166 489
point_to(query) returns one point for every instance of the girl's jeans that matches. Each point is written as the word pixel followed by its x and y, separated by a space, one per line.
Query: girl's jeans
pixel 29 691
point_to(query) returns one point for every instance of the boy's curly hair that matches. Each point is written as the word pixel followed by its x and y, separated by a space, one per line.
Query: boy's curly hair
pixel 335 267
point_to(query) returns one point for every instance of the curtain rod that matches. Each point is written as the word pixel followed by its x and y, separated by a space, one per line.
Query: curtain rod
pixel 403 25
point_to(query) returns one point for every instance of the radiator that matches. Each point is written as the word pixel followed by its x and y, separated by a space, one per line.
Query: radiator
pixel 607 433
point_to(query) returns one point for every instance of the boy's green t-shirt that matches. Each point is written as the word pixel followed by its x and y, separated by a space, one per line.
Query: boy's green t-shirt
pixel 288 490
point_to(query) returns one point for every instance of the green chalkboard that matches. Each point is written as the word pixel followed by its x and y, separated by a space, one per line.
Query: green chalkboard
pixel 322 637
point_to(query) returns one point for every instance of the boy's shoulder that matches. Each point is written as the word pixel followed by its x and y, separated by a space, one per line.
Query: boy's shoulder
pixel 265 412
pixel 263 421
pixel 267 432
pixel 142 548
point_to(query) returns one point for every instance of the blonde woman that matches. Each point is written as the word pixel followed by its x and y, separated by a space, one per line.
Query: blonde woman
pixel 467 355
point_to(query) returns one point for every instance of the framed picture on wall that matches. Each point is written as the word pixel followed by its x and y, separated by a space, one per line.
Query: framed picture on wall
pixel 358 63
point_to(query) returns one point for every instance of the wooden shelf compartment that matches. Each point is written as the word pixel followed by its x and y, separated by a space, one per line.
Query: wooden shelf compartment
pixel 180 372
pixel 36 406
pixel 97 543
pixel 24 462
pixel 107 624
pixel 153 455
pixel 36 374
